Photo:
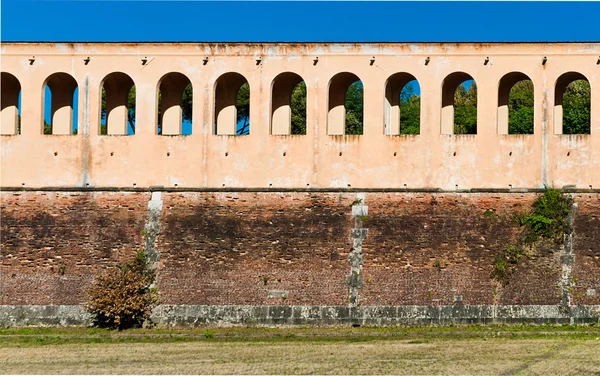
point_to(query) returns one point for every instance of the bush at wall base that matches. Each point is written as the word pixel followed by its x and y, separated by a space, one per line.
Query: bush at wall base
pixel 124 297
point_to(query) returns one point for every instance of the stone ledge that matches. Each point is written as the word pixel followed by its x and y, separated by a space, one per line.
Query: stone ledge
pixel 200 315
pixel 278 190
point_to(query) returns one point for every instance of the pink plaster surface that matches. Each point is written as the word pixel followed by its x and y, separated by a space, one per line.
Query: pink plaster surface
pixel 315 160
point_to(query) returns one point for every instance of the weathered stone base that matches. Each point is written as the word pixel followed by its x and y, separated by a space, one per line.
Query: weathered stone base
pixel 43 315
pixel 201 315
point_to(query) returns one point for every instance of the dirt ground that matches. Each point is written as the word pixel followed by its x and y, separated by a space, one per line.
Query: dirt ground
pixel 301 352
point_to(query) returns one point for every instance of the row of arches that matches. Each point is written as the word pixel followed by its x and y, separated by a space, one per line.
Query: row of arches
pixel 175 98
pixel 402 115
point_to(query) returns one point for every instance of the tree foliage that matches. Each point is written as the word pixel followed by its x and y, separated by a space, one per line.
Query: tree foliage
pixel 243 109
pixel 47 128
pixel 123 298
pixel 354 108
pixel 465 109
pixel 576 108
pixel 187 101
pixel 410 110
pixel 520 108
pixel 298 105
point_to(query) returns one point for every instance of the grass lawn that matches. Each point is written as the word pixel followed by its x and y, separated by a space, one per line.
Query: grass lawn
pixel 425 350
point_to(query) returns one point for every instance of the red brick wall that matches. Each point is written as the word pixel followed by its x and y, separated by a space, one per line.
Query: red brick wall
pixel 233 248
pixel 586 269
pixel 52 244
pixel 221 248
pixel 410 233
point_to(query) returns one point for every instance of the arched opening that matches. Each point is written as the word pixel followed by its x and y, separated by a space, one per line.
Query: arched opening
pixel 60 104
pixel 175 100
pixel 572 104
pixel 10 102
pixel 288 111
pixel 459 104
pixel 515 104
pixel 346 99
pixel 232 105
pixel 402 112
pixel 117 115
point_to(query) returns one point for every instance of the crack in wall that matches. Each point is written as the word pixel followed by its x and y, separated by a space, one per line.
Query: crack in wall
pixel 355 279
pixel 152 229
pixel 567 258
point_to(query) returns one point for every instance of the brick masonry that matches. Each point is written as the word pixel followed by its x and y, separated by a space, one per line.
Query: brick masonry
pixel 290 249
pixel 53 244
pixel 234 248
pixel 586 268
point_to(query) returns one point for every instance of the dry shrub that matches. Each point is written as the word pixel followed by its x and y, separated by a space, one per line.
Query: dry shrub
pixel 123 298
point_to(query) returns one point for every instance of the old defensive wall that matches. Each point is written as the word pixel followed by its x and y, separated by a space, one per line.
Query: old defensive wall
pixel 280 228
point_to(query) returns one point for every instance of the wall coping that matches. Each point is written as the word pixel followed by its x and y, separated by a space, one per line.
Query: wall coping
pixel 285 190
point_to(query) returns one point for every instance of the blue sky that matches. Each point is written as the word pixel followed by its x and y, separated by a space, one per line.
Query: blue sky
pixel 337 21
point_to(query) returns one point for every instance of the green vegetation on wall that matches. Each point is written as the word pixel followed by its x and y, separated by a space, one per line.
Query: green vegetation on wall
pixel 546 220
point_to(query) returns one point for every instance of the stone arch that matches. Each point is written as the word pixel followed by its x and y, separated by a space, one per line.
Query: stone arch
pixel 227 106
pixel 451 83
pixel 562 84
pixel 394 87
pixel 506 84
pixel 173 89
pixel 117 113
pixel 63 89
pixel 9 102
pixel 337 112
pixel 282 89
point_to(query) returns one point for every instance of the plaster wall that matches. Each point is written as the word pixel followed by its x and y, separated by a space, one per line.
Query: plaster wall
pixel 314 160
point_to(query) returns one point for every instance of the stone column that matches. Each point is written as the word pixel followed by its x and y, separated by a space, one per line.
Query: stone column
pixel 117 97
pixel 448 109
pixel 9 103
pixel 336 117
pixel 392 109
pixel 62 109
pixel 281 119
pixel 171 91
pixel 225 101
